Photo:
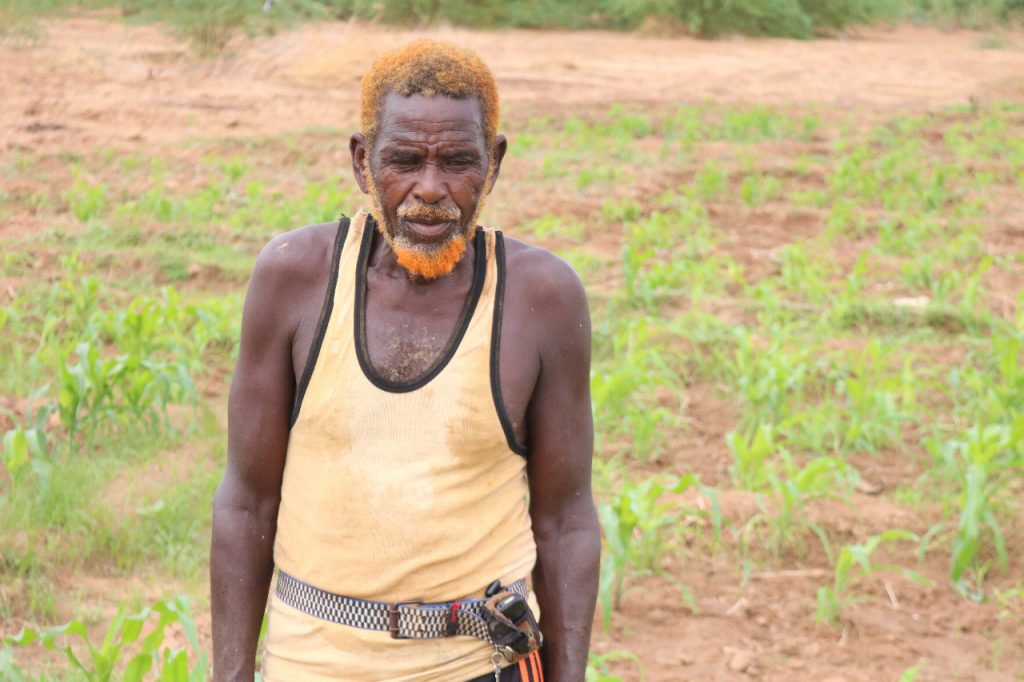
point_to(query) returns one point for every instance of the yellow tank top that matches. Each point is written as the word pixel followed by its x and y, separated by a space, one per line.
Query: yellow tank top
pixel 398 492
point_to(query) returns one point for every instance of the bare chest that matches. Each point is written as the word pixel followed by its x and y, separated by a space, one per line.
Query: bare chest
pixel 404 351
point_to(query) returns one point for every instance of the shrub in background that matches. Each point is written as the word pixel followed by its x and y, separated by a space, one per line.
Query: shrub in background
pixel 973 14
pixel 210 26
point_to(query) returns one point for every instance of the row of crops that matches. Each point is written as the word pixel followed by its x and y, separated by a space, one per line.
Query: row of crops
pixel 882 323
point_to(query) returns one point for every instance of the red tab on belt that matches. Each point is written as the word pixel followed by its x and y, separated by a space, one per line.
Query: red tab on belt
pixel 453 620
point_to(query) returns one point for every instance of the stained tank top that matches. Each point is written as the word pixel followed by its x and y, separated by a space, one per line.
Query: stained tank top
pixel 396 492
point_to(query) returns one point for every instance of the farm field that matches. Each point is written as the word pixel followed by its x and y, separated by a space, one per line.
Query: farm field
pixel 805 263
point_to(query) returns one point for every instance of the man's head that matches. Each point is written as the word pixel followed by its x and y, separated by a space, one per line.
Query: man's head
pixel 428 151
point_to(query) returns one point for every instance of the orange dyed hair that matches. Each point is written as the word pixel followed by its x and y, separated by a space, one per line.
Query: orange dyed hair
pixel 430 67
pixel 430 265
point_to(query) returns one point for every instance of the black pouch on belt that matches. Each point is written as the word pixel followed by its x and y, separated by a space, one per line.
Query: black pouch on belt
pixel 511 624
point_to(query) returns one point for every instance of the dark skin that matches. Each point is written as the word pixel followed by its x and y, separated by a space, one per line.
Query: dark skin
pixel 428 150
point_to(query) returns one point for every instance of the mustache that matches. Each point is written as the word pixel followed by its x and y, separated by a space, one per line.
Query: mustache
pixel 429 212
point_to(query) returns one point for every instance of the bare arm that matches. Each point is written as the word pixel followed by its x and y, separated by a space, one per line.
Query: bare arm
pixel 561 438
pixel 245 505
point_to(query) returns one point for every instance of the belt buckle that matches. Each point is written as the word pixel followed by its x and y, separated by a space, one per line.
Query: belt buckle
pixel 393 618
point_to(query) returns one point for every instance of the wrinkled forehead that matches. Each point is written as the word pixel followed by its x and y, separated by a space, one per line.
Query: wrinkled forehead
pixel 419 116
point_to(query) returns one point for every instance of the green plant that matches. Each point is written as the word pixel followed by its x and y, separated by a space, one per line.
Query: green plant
pixel 555 226
pixel 759 189
pixel 710 182
pixel 873 402
pixel 669 254
pixel 973 14
pixel 911 673
pixel 85 198
pixel 751 455
pixel 625 388
pixel 791 487
pixel 598 669
pixel 981 463
pixel 209 27
pixel 25 450
pixel 26 446
pixel 637 527
pixel 1011 602
pixel 833 599
pixel 768 377
pixel 804 276
pixel 106 658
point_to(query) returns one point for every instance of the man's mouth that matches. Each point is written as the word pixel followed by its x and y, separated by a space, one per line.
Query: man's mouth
pixel 429 229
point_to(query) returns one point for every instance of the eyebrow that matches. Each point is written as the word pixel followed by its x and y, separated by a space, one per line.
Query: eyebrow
pixel 465 153
pixel 449 149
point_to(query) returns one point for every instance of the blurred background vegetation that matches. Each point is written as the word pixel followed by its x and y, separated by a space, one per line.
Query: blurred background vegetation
pixel 209 26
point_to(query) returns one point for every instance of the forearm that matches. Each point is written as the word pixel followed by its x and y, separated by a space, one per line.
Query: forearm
pixel 241 566
pixel 566 581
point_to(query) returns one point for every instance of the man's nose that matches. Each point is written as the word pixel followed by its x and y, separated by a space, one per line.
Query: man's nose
pixel 430 186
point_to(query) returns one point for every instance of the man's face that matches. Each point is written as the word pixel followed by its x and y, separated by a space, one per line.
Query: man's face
pixel 427 173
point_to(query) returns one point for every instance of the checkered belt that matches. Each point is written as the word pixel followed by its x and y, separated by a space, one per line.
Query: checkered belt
pixel 404 620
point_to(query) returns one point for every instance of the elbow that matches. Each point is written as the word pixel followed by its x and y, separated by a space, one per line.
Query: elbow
pixel 237 506
pixel 578 524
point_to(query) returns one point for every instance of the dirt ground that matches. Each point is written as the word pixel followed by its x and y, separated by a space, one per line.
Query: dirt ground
pixel 92 82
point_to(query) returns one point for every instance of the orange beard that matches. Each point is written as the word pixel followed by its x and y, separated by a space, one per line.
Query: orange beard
pixel 417 261
pixel 432 265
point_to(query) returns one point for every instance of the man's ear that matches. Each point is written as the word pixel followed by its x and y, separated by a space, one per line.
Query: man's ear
pixel 360 160
pixel 500 147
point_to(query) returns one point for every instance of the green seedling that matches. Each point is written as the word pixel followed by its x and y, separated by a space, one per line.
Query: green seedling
pixel 790 488
pixel 26 447
pixel 640 528
pixel 624 391
pixel 86 199
pixel 763 464
pixel 23 451
pixel 982 464
pixel 1011 603
pixel 710 182
pixel 598 668
pixel 113 655
pixel 751 455
pixel 874 403
pixel 551 225
pixel 803 275
pixel 910 674
pixel 756 190
pixel 621 211
pixel 769 378
pixel 833 599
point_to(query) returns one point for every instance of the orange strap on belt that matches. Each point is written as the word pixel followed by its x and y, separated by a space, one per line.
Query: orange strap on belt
pixel 530 669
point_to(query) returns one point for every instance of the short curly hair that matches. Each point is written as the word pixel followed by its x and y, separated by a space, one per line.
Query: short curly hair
pixel 430 67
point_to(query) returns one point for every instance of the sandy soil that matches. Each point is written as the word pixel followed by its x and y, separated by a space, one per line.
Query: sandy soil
pixel 94 83
pixel 97 83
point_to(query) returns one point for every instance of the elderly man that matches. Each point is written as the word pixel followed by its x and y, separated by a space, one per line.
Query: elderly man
pixel 410 430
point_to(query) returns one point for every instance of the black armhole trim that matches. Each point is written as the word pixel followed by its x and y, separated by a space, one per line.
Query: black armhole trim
pixel 499 303
pixel 362 353
pixel 325 318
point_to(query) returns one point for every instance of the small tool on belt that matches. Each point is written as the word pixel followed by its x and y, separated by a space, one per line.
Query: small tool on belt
pixel 511 626
pixel 497 658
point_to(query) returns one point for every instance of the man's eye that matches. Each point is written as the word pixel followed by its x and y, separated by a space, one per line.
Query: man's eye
pixel 459 162
pixel 405 160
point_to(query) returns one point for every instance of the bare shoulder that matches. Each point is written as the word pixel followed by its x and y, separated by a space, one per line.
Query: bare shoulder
pixel 548 299
pixel 543 279
pixel 287 281
pixel 293 257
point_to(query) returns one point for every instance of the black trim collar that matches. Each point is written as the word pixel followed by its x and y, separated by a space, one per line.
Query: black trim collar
pixel 499 304
pixel 359 321
pixel 325 318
